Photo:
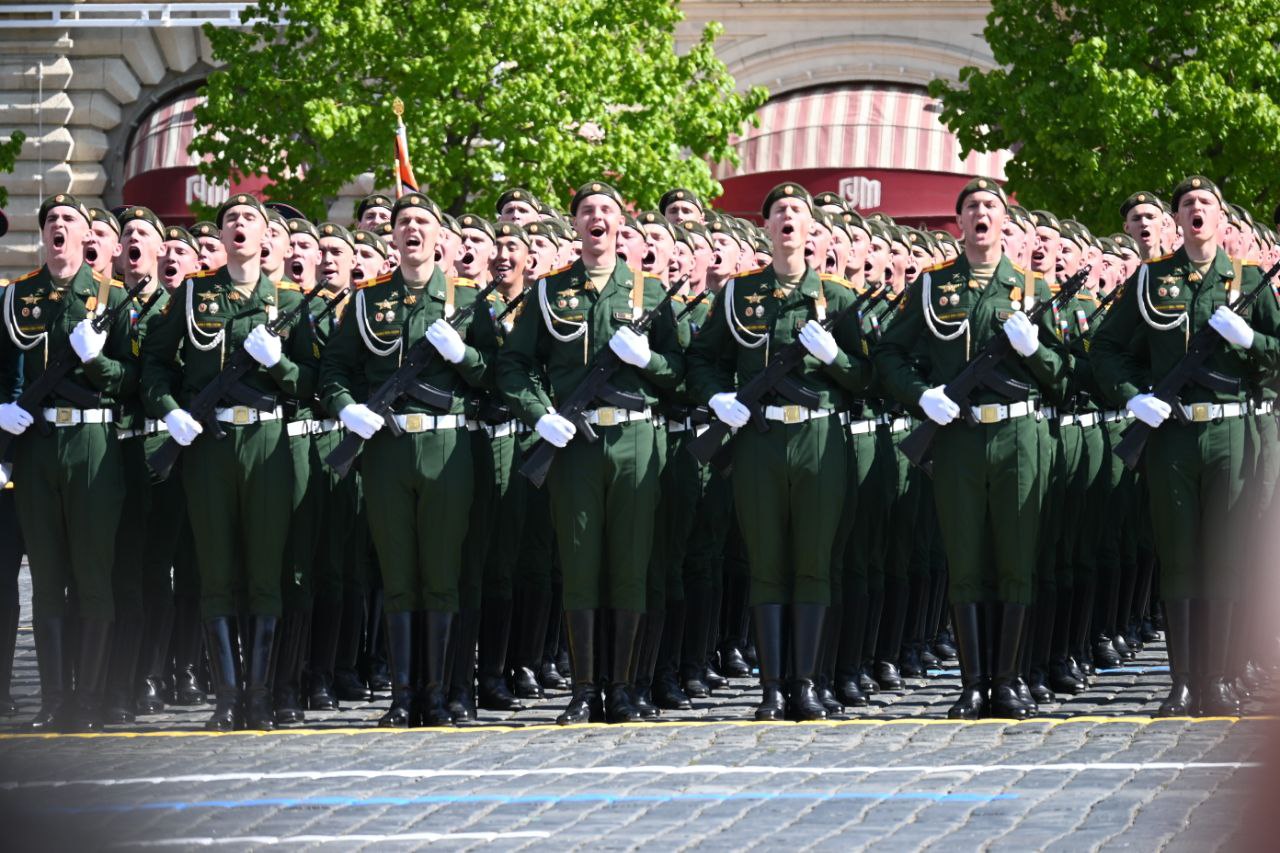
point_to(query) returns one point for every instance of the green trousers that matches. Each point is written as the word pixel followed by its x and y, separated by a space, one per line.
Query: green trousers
pixel 1196 476
pixel 239 493
pixel 481 523
pixel 704 559
pixel 684 486
pixel 859 540
pixel 70 490
pixel 305 524
pixel 789 488
pixel 334 514
pixel 418 490
pixel 988 495
pixel 603 499
pixel 510 500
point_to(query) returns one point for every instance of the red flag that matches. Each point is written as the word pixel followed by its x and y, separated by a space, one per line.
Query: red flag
pixel 405 181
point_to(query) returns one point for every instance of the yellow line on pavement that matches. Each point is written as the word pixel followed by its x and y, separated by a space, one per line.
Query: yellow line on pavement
pixel 1047 722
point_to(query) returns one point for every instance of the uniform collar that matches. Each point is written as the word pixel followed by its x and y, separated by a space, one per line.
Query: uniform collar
pixel 1220 267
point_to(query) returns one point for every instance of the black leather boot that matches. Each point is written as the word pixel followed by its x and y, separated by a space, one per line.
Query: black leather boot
pixel 853 632
pixel 806 642
pixel 495 635
pixel 8 640
pixel 187 640
pixel 910 664
pixel 526 651
pixel 1005 702
pixel 769 619
pixel 399 633
pixel 824 675
pixel 224 666
pixel 666 691
pixel 875 614
pixel 1059 675
pixel 646 663
pixel 50 634
pixel 326 628
pixel 258 713
pixel 438 627
pixel 585 705
pixel 1178 638
pixel 697 632
pixel 122 665
pixel 91 675
pixel 1082 607
pixel 889 643
pixel 550 676
pixel 461 691
pixel 729 658
pixel 347 684
pixel 966 622
pixel 624 633
pixel 1041 649
pixel 154 652
pixel 287 681
pixel 1216 699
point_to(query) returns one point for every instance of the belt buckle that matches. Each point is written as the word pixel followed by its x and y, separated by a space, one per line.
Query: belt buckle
pixel 63 416
pixel 607 416
pixel 413 423
pixel 989 413
pixel 240 415
pixel 792 414
pixel 1200 412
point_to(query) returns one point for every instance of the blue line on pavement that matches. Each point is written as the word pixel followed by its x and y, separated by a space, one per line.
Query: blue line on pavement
pixel 533 799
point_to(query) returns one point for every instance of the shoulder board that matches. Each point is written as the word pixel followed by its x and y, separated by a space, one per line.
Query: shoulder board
pixel 26 276
pixel 678 298
pixel 202 273
pixel 4 282
pixel 1160 258
pixel 835 279
pixel 941 266
pixel 1086 296
pixel 564 268
pixel 378 279
pixel 1250 264
pixel 115 282
pixel 755 271
pixel 465 282
pixel 289 285
pixel 1017 268
pixel 653 278
pixel 1037 276
pixel 492 297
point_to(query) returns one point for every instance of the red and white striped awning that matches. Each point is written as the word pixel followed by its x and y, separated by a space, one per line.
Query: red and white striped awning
pixel 859 126
pixel 161 140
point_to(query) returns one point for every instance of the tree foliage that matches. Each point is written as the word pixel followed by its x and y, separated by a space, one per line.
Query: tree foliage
pixel 538 93
pixel 8 158
pixel 1101 98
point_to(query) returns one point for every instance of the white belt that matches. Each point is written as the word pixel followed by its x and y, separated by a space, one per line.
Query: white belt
pixel 686 425
pixel 1088 419
pixel 864 426
pixel 426 423
pixel 245 415
pixel 610 416
pixel 149 427
pixel 311 427
pixel 1203 412
pixel 794 414
pixel 65 416
pixel 895 425
pixel 502 430
pixel 1264 407
pixel 994 413
pixel 1114 415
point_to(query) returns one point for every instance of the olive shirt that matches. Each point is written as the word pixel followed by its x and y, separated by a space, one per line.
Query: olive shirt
pixel 141 317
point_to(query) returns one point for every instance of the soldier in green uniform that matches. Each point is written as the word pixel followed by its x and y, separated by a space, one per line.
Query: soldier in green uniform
pixel 373 211
pixel 102 245
pixel 986 481
pixel 789 481
pixel 679 205
pixel 1196 464
pixel 236 487
pixel 71 472
pixel 417 485
pixel 603 494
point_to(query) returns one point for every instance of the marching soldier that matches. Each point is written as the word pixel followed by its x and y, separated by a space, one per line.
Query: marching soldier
pixel 102 245
pixel 71 467
pixel 373 211
pixel 213 255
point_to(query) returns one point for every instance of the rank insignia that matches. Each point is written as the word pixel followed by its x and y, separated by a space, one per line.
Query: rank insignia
pixel 55 296
pixel 1193 277
pixel 31 299
pixel 1168 279
pixel 411 299
pixel 385 305
pixel 754 298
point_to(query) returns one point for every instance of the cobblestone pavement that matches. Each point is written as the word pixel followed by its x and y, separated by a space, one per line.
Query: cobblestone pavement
pixel 1095 772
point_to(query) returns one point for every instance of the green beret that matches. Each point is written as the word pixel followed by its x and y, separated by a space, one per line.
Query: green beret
pixel 692 228
pixel 205 229
pixel 510 229
pixel 824 199
pixel 593 188
pixel 286 210
pixel 629 221
pixel 451 224
pixel 1020 216
pixel 881 217
pixel 276 217
pixel 385 229
pixel 1046 219
pixel 235 201
pixel 302 226
pixel 670 197
pixel 547 210
pixel 760 243
pixel 364 237
pixel 62 200
pixel 919 239
pixel 1196 182
pixel 1243 215
pixel 1140 197
pixel 940 236
pixel 138 212
pixel 853 219
pixel 790 189
pixel 516 194
pixel 1108 246
pixel 721 225
pixel 1124 241
pixel 542 229
pixel 653 217
pixel 375 200
pixel 337 232
pixel 417 200
pixel 822 218
pixel 897 234
pixel 877 230
pixel 181 235
pixel 1077 233
pixel 469 221
pixel 981 185
pixel 97 214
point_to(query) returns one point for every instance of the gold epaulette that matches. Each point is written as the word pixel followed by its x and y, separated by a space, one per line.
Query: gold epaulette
pixel 459 281
pixel 492 297
pixel 285 284
pixel 942 266
pixel 1250 264
pixel 26 276
pixel 1086 296
pixel 1160 258
pixel 4 282
pixel 377 279
pixel 115 282
pixel 202 273
pixel 678 298
pixel 564 268
pixel 835 279
pixel 752 272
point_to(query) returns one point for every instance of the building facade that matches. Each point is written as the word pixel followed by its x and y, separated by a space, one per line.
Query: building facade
pixel 104 93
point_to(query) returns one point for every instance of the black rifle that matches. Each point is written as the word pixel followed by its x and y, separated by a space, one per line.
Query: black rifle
pixel 983 371
pixel 404 382
pixel 1103 303
pixel 203 406
pixel 60 364
pixel 691 304
pixel 1189 369
pixel 511 306
pixel 775 378
pixel 537 462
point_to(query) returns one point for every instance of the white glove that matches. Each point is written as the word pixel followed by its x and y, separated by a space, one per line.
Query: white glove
pixel 1149 409
pixel 1233 328
pixel 14 419
pixel 182 426
pixel 6 471
pixel 556 430
pixel 820 343
pixel 729 410
pixel 263 346
pixel 630 347
pixel 1023 335
pixel 447 341
pixel 940 408
pixel 86 342
pixel 361 420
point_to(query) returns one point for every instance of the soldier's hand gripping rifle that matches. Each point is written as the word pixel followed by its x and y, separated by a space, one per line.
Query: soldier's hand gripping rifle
pixel 61 363
pixel 775 378
pixel 226 385
pixel 1189 369
pixel 537 462
pixel 404 382
pixel 983 371
pixel 691 304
